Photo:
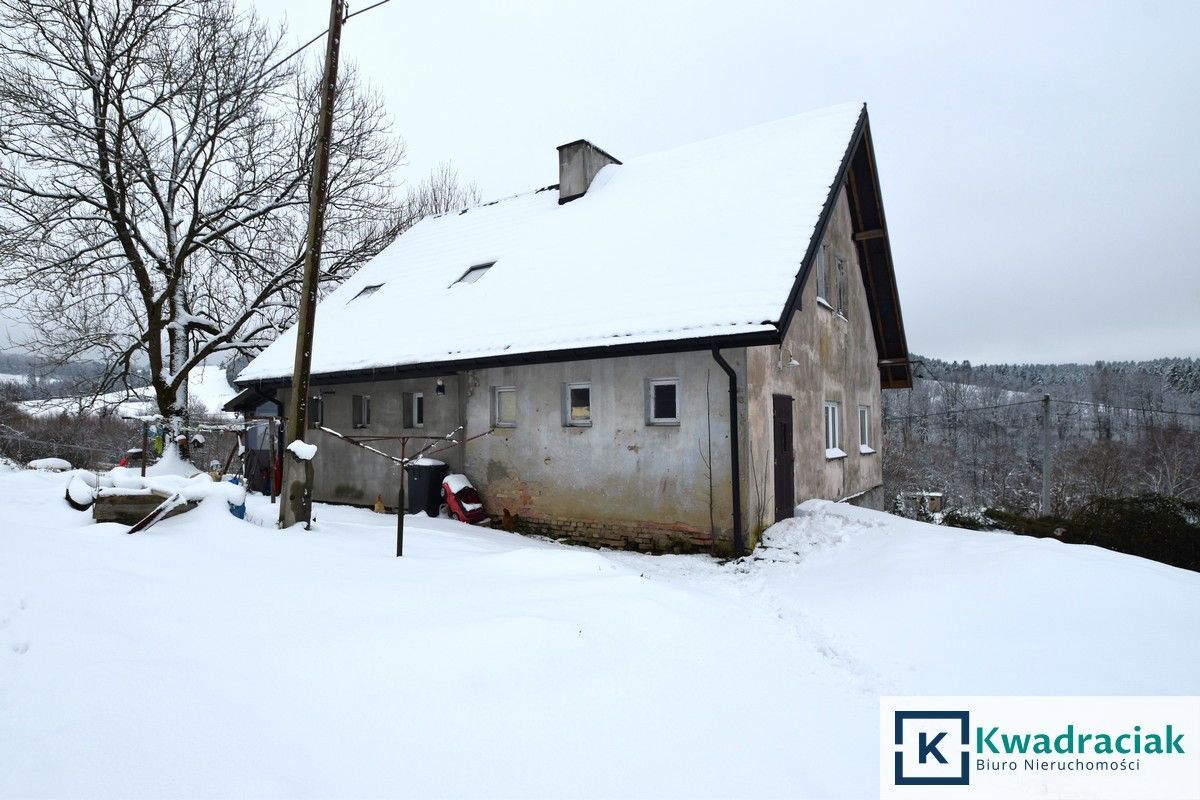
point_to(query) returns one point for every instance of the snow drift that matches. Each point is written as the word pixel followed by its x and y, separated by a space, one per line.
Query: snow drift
pixel 218 657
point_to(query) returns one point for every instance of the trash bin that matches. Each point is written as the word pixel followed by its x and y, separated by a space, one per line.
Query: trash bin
pixel 425 477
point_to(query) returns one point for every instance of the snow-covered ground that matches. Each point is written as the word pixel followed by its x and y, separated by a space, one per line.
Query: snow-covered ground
pixel 215 657
pixel 207 385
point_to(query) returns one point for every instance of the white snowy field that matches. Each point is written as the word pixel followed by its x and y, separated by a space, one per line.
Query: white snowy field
pixel 211 657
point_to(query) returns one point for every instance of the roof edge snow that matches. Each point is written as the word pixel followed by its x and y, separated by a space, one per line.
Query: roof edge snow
pixel 765 334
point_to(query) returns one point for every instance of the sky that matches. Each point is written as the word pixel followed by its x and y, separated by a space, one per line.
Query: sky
pixel 1036 159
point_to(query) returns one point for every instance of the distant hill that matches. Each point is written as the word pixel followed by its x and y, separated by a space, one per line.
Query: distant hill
pixel 1172 383
pixel 975 432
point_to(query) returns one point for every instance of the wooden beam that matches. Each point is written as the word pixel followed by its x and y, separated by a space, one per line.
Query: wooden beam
pixel 874 233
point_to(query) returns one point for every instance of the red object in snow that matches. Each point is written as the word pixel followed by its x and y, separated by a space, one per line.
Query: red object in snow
pixel 464 502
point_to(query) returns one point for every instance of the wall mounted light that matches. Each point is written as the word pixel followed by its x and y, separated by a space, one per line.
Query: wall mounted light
pixel 441 387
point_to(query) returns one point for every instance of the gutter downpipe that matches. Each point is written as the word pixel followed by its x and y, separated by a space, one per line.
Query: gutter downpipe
pixel 739 540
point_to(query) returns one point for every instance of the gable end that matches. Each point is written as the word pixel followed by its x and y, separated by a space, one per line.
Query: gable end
pixel 857 172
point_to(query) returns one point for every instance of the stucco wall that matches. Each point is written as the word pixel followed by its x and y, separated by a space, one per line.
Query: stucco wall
pixel 837 362
pixel 347 474
pixel 621 481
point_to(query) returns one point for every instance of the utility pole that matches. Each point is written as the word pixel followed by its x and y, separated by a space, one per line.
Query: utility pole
pixel 298 473
pixel 1045 454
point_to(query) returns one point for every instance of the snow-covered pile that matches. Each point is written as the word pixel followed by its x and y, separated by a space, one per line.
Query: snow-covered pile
pixel 50 464
pixel 170 477
pixel 198 487
pixel 218 657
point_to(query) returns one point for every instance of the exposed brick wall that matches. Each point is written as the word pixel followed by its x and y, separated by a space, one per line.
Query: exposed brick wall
pixel 646 537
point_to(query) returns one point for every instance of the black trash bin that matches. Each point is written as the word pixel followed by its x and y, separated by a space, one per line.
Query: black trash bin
pixel 425 476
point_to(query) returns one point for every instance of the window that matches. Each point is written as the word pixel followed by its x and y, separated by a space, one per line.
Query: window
pixel 662 401
pixel 504 407
pixel 412 408
pixel 366 291
pixel 577 405
pixel 833 430
pixel 821 268
pixel 316 412
pixel 361 410
pixel 864 430
pixel 842 299
pixel 474 274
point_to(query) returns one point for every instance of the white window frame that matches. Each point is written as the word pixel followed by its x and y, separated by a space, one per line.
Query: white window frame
pixel 864 430
pixel 833 430
pixel 651 419
pixel 497 422
pixel 567 420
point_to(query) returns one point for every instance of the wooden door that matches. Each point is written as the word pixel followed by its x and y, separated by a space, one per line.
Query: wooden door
pixel 785 458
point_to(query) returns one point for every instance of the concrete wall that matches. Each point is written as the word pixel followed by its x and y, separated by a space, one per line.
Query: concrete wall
pixel 620 482
pixel 838 361
pixel 347 474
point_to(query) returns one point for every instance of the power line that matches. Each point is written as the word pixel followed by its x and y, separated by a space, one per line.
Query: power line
pixel 294 53
pixel 1128 408
pixel 365 10
pixel 56 444
pixel 318 37
pixel 961 410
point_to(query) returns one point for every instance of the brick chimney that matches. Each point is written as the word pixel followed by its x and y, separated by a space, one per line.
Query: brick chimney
pixel 578 163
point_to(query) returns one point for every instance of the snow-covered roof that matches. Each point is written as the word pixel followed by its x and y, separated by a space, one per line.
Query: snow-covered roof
pixel 699 242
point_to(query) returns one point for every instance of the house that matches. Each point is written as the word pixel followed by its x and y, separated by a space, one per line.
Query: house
pixel 669 352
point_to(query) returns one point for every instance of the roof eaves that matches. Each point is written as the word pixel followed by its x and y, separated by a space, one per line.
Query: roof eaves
pixel 585 353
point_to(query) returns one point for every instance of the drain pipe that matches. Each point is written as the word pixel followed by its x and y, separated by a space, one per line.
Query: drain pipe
pixel 739 540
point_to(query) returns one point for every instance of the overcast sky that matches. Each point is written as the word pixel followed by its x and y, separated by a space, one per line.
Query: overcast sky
pixel 1037 160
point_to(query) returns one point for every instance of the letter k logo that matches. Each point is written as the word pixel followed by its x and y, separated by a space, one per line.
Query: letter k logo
pixel 937 749
pixel 925 748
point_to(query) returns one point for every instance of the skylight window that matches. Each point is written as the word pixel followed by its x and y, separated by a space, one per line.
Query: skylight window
pixel 474 273
pixel 366 291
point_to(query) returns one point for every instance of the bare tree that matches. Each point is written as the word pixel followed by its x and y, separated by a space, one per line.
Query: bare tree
pixel 154 166
pixel 440 192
